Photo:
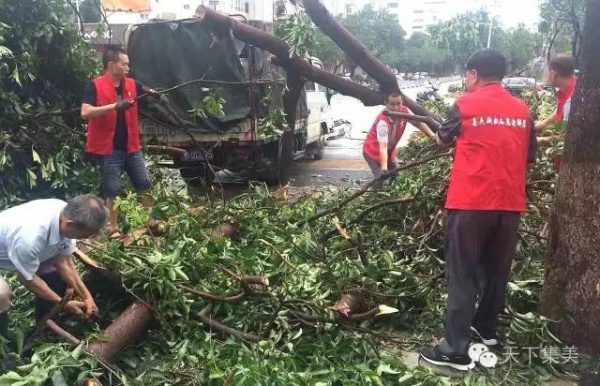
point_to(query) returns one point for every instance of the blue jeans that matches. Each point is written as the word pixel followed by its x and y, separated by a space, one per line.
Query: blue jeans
pixel 112 167
pixel 376 169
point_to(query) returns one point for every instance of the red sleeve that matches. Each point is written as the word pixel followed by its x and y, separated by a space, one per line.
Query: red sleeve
pixel 561 100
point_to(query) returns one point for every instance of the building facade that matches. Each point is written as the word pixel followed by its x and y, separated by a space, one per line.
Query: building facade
pixel 416 16
pixel 140 11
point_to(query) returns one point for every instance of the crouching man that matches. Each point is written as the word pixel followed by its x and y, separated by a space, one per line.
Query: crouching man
pixel 379 149
pixel 37 239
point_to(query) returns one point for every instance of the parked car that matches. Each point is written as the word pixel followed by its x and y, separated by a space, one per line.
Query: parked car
pixel 520 84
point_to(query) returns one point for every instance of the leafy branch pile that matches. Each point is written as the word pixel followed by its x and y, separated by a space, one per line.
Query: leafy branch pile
pixel 287 324
pixel 43 69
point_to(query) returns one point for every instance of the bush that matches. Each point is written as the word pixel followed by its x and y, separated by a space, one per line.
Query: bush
pixel 44 66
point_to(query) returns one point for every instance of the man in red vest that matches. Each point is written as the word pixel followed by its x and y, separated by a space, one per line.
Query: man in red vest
pixel 111 109
pixel 561 74
pixel 495 140
pixel 379 148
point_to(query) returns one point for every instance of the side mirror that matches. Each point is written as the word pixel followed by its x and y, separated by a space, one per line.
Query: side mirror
pixel 328 94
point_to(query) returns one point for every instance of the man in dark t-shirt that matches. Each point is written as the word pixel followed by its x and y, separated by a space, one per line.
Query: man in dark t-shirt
pixel 110 105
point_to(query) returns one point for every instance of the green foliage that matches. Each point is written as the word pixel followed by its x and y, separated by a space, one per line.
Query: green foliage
pixel 541 103
pixel 44 66
pixel 378 30
pixel 561 24
pixel 212 106
pixel 274 121
pixel 297 31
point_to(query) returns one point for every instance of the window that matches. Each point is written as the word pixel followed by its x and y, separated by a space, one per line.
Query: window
pixel 418 28
pixel 418 11
pixel 213 4
pixel 238 5
pixel 186 7
pixel 144 16
pixel 392 5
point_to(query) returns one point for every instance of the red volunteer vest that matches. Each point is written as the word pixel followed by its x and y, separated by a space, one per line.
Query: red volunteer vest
pixel 371 145
pixel 490 160
pixel 100 131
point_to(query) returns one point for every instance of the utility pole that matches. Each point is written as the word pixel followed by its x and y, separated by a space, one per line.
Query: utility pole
pixel 490 32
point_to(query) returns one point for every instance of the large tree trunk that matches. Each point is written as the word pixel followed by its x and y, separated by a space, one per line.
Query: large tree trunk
pixel 351 46
pixel 572 265
pixel 359 54
pixel 224 25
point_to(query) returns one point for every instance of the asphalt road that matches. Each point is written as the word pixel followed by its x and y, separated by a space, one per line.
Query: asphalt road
pixel 343 163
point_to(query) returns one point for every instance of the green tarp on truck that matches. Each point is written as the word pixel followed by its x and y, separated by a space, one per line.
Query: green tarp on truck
pixel 167 54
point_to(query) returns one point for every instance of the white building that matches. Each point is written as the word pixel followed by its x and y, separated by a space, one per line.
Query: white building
pixel 139 11
pixel 341 7
pixel 416 16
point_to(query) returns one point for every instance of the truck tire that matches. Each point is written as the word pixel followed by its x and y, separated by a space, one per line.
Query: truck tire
pixel 197 176
pixel 319 151
pixel 285 157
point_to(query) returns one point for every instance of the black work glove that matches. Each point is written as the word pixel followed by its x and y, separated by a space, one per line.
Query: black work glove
pixel 123 104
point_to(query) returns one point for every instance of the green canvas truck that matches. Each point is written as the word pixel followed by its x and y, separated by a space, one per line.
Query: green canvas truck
pixel 201 69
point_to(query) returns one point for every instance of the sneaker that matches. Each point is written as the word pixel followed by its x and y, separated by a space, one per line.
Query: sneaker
pixel 489 341
pixel 436 357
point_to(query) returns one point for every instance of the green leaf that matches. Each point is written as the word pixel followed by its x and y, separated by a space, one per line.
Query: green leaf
pixel 58 379
pixel 36 156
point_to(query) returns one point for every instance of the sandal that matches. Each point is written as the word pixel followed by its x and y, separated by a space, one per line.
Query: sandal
pixel 156 228
pixel 115 235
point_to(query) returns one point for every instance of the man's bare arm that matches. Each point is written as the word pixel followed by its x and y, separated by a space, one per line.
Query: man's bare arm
pixel 68 273
pixel 426 130
pixel 39 288
pixel 90 112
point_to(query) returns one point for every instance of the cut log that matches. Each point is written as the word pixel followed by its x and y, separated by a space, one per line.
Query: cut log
pixel 122 332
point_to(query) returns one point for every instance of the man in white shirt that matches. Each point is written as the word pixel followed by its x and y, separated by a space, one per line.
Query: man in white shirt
pixel 38 237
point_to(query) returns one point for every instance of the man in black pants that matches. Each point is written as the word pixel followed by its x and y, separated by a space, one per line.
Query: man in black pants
pixel 495 140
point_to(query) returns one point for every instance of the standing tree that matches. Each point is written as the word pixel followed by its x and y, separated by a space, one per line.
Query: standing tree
pixel 572 279
pixel 562 24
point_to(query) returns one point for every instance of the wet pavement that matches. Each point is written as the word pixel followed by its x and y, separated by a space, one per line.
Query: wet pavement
pixel 343 163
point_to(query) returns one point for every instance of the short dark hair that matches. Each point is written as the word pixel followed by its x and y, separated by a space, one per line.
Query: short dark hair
pixel 564 65
pixel 111 54
pixel 392 94
pixel 489 64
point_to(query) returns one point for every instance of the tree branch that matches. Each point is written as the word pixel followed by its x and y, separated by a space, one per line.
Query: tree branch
pixel 206 295
pixel 383 177
pixel 216 325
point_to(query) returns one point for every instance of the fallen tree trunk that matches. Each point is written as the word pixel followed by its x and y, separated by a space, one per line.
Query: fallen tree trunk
pixel 359 53
pixel 122 332
pixel 351 46
pixel 224 25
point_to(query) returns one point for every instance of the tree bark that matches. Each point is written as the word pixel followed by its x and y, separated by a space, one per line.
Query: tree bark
pixel 123 331
pixel 359 54
pixel 572 274
pixel 224 25
pixel 351 46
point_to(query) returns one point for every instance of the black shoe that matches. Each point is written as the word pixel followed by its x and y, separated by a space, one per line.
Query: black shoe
pixel 436 357
pixel 489 341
